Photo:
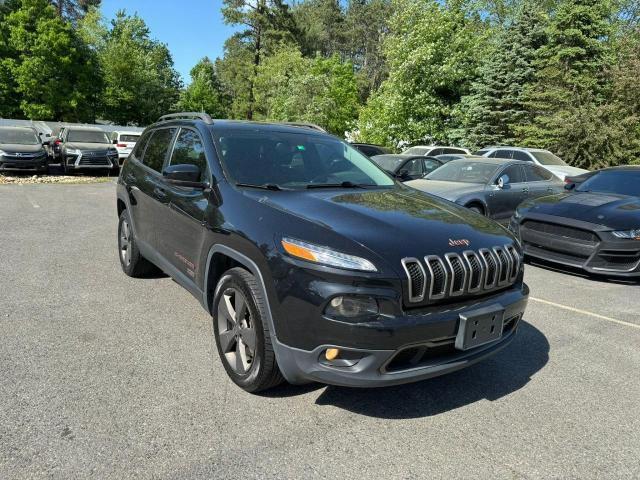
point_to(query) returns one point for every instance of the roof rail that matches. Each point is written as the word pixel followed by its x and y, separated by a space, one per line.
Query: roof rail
pixel 312 126
pixel 187 116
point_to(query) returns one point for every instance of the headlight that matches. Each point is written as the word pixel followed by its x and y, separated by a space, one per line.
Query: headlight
pixel 351 306
pixel 73 151
pixel 2 152
pixel 325 256
pixel 112 152
pixel 628 234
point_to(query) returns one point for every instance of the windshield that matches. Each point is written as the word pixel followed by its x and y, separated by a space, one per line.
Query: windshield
pixel 19 136
pixel 623 182
pixel 464 171
pixel 87 136
pixel 294 160
pixel 129 138
pixel 389 163
pixel 548 158
pixel 416 151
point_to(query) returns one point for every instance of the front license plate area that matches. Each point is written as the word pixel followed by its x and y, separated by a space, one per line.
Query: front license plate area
pixel 478 327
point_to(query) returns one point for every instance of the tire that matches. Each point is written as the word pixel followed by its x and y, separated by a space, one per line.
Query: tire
pixel 477 209
pixel 253 370
pixel 132 262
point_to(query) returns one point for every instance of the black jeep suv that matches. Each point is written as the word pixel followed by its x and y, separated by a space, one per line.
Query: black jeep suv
pixel 314 263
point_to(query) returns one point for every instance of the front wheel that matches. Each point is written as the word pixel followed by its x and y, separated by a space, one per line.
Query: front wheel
pixel 242 334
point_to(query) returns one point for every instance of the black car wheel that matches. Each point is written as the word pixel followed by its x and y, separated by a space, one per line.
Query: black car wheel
pixel 132 262
pixel 477 209
pixel 242 334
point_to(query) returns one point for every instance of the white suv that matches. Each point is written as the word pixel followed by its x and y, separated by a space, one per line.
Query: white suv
pixel 124 143
pixel 544 158
pixel 433 150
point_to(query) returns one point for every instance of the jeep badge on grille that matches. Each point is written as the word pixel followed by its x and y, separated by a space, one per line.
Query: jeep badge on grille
pixel 461 242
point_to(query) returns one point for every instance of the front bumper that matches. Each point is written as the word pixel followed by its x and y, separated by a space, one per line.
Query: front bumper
pixel 16 165
pixel 596 252
pixel 415 346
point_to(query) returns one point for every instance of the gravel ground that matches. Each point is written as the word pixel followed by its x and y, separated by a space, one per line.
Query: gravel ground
pixel 103 376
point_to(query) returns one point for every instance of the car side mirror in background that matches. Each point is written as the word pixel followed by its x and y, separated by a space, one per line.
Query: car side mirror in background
pixel 503 181
pixel 115 141
pixel 403 175
pixel 569 186
pixel 184 175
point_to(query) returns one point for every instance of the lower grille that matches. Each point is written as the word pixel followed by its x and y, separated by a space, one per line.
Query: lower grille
pixel 94 161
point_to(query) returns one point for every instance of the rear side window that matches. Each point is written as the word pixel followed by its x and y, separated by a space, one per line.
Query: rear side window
pixel 453 150
pixel 501 154
pixel 520 155
pixel 158 147
pixel 537 174
pixel 189 149
pixel 138 150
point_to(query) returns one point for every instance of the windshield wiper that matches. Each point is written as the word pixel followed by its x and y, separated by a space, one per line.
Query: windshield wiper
pixel 264 186
pixel 346 184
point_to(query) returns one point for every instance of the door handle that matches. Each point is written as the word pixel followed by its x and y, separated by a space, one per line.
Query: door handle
pixel 525 189
pixel 549 189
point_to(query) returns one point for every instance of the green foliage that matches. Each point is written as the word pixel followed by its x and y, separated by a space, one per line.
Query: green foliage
pixel 433 52
pixel 74 9
pixel 204 93
pixel 140 81
pixel 571 84
pixel 290 87
pixel 496 106
pixel 50 68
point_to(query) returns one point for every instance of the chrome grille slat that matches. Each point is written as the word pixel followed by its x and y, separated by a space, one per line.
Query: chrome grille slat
pixel 456 274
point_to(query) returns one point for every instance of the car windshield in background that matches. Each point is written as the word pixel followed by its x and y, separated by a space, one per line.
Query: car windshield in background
pixel 416 151
pixel 464 171
pixel 548 158
pixel 389 163
pixel 295 160
pixel 622 182
pixel 18 136
pixel 87 136
pixel 129 138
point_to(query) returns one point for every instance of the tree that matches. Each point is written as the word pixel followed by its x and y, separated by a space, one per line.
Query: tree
pixel 51 68
pixel 140 81
pixel 571 82
pixel 74 9
pixel 430 70
pixel 204 93
pixel 265 23
pixel 496 105
pixel 290 87
pixel 322 27
pixel 9 98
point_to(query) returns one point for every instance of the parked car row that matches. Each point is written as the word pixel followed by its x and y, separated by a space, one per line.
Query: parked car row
pixel 74 148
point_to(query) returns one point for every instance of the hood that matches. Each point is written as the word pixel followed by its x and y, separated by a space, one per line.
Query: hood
pixel 16 147
pixel 449 190
pixel 392 223
pixel 617 212
pixel 563 171
pixel 89 146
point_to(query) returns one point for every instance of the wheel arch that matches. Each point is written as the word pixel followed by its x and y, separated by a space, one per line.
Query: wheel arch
pixel 477 203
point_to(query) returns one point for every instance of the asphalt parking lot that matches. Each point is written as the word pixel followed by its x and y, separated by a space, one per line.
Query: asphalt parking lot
pixel 105 376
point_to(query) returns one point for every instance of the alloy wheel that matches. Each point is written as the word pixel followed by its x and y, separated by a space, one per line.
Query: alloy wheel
pixel 125 243
pixel 236 331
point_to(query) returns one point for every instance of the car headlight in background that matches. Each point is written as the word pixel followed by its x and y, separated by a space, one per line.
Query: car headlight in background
pixel 2 153
pixel 628 234
pixel 73 151
pixel 325 256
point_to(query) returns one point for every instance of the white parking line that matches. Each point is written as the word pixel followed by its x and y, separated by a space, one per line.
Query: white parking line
pixel 584 312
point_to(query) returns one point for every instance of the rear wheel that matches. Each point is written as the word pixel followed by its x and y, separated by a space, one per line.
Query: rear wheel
pixel 476 208
pixel 132 262
pixel 242 333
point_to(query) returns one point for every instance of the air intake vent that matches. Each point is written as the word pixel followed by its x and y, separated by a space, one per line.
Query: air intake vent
pixel 438 273
pixel 416 279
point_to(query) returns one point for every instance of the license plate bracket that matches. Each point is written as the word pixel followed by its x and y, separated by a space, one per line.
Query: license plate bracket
pixel 478 327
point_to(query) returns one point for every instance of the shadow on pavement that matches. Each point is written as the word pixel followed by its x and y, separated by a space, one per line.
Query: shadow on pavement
pixel 504 373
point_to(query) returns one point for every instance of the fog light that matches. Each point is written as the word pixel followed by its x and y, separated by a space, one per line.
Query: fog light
pixel 331 353
pixel 352 306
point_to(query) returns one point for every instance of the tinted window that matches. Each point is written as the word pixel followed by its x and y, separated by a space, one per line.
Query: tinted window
pixel 501 154
pixel 514 172
pixel 520 155
pixel 430 165
pixel 19 136
pixel 157 149
pixel 189 149
pixel 453 150
pixel 138 150
pixel 481 152
pixel 369 150
pixel 413 167
pixel 537 174
pixel 624 182
pixel 389 162
pixel 465 171
pixel 129 138
pixel 294 160
pixel 87 136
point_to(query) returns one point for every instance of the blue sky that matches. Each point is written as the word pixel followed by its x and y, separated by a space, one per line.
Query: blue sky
pixel 192 29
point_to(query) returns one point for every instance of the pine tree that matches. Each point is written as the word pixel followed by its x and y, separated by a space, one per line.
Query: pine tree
pixel 496 104
pixel 571 83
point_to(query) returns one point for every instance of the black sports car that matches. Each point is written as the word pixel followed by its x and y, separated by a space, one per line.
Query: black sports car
pixel 407 167
pixel 489 186
pixel 594 226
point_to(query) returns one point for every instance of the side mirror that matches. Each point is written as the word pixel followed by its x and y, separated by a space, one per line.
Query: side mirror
pixel 184 175
pixel 503 181
pixel 569 186
pixel 114 141
pixel 403 174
